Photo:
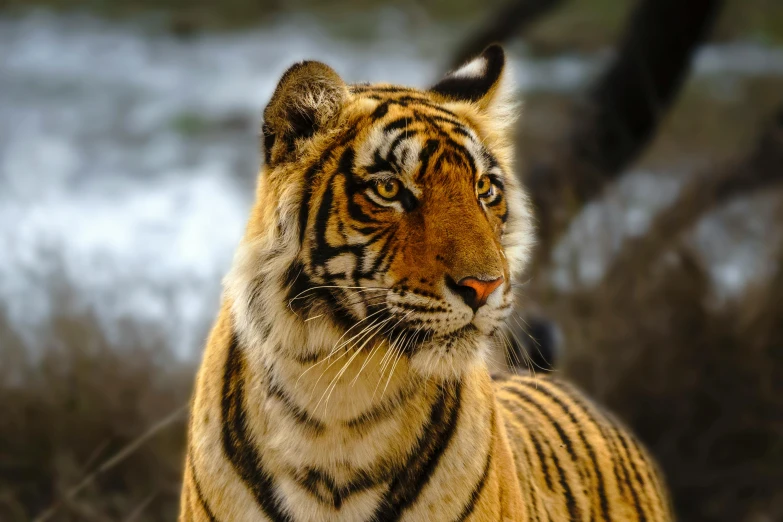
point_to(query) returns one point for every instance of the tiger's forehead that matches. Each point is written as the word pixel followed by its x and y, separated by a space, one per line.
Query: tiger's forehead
pixel 409 132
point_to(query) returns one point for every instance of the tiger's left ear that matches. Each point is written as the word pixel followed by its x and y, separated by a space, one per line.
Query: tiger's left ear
pixel 482 82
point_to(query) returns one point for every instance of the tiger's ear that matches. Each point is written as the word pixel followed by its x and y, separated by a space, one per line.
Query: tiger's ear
pixel 481 81
pixel 308 98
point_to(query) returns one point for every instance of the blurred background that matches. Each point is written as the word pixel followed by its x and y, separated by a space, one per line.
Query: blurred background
pixel 651 141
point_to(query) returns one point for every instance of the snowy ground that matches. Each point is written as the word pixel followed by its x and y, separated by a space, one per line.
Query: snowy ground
pixel 127 158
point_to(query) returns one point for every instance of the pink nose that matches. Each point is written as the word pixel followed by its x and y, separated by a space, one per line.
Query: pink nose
pixel 475 292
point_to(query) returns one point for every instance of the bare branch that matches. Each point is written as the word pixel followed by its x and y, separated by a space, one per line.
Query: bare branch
pixel 761 168
pixel 510 20
pixel 118 457
pixel 621 112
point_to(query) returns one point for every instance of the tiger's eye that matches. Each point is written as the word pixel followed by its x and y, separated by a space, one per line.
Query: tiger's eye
pixel 388 188
pixel 484 186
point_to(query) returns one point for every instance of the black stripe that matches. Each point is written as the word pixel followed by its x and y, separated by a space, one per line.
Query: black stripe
pixel 399 123
pixel 457 125
pixel 496 180
pixel 322 486
pixel 650 469
pixel 530 491
pixel 624 482
pixel 423 459
pixel 200 494
pixel 459 149
pixel 573 509
pixel 496 201
pixel 238 447
pixel 561 478
pixel 476 493
pixel 426 153
pixel 627 482
pixel 382 254
pixel 634 468
pixel 309 176
pixel 380 111
pixel 381 411
pixel 479 487
pixel 357 213
pixel 300 415
pixel 520 455
pixel 380 164
pixel 421 308
pixel 542 389
pixel 322 251
pixel 403 135
pixel 542 458
pixel 307 359
pixel 307 192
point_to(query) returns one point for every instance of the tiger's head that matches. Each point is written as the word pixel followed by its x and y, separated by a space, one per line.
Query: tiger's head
pixel 384 214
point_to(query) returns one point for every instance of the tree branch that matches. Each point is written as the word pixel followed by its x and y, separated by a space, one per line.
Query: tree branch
pixel 508 21
pixel 621 112
pixel 761 168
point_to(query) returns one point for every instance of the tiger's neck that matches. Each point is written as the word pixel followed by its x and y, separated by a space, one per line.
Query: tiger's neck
pixel 353 387
pixel 365 452
pixel 338 430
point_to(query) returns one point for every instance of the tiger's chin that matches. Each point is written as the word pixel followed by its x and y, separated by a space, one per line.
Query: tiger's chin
pixel 451 357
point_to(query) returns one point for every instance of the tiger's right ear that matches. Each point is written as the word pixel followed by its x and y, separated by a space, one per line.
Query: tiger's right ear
pixel 307 99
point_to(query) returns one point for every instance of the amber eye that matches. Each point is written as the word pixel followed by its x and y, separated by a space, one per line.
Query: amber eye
pixel 388 188
pixel 484 186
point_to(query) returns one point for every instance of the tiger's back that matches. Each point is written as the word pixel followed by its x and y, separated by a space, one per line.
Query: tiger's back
pixel 346 378
pixel 586 465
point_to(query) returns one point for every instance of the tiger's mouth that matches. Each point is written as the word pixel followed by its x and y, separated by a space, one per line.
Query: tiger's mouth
pixel 410 333
pixel 446 333
pixel 420 336
pixel 417 315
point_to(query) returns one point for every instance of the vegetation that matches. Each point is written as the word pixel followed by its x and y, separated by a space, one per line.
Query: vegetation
pixel 91 430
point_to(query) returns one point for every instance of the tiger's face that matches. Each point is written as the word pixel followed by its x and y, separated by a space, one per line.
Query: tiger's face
pixel 396 208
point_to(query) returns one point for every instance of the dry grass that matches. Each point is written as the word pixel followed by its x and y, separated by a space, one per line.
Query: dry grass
pixel 71 404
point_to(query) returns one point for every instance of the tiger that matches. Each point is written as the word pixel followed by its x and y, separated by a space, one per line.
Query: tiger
pixel 346 375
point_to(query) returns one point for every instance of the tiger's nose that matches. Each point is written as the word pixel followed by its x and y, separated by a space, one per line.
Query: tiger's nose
pixel 475 292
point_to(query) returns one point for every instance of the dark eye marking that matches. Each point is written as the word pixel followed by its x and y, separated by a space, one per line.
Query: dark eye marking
pixel 496 180
pixel 495 202
pixel 408 200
